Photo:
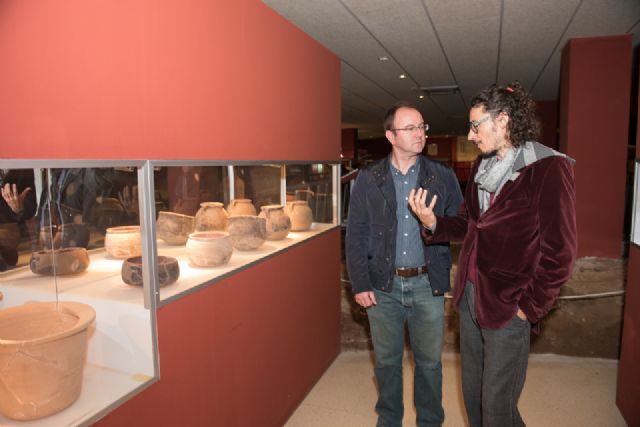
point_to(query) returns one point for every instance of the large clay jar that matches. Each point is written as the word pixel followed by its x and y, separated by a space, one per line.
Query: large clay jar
pixel 211 216
pixel 59 262
pixel 43 346
pixel 123 242
pixel 174 228
pixel 168 270
pixel 247 232
pixel 241 207
pixel 209 248
pixel 300 214
pixel 278 222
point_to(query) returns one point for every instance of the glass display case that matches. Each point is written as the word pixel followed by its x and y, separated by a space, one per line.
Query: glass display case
pixel 635 210
pixel 118 239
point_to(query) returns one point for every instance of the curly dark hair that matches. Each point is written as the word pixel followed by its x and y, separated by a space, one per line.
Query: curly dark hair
pixel 516 102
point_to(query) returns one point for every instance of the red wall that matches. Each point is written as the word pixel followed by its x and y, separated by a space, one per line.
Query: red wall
pixel 163 80
pixel 594 117
pixel 192 79
pixel 547 112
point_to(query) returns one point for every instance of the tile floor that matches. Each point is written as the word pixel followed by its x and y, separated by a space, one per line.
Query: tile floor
pixel 560 391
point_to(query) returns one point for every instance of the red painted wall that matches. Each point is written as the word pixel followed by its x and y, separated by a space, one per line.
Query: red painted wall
pixel 163 80
pixel 594 117
pixel 547 112
pixel 194 79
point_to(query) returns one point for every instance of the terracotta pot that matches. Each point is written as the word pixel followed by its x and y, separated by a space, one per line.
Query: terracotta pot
pixel 247 232
pixel 59 262
pixel 123 242
pixel 174 228
pixel 209 248
pixel 43 347
pixel 300 214
pixel 241 207
pixel 168 270
pixel 211 216
pixel 278 222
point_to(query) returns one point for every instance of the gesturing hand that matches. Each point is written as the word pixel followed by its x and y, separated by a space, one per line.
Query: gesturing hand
pixel 14 199
pixel 418 204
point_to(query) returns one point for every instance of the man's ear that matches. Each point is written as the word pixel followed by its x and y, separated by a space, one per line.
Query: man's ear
pixel 390 136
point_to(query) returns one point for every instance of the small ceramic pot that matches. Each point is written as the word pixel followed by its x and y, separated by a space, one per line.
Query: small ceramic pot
pixel 209 248
pixel 174 228
pixel 300 214
pixel 59 262
pixel 247 232
pixel 211 216
pixel 123 242
pixel 45 346
pixel 168 270
pixel 278 222
pixel 241 207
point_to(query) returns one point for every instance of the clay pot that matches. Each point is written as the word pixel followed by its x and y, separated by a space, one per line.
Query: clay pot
pixel 168 270
pixel 43 347
pixel 123 242
pixel 174 228
pixel 211 216
pixel 278 222
pixel 209 248
pixel 241 207
pixel 247 232
pixel 300 214
pixel 59 262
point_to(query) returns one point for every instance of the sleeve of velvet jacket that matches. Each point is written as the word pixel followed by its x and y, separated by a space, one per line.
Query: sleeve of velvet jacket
pixel 558 240
pixel 357 237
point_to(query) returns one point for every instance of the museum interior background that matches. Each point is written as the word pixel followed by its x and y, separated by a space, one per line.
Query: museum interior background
pixel 92 84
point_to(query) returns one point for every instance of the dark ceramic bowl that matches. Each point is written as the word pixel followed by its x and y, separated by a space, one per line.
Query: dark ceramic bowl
pixel 168 270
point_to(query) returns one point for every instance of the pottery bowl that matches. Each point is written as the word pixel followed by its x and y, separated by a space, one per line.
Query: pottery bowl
pixel 123 242
pixel 174 228
pixel 209 248
pixel 247 232
pixel 278 222
pixel 168 270
pixel 45 343
pixel 59 261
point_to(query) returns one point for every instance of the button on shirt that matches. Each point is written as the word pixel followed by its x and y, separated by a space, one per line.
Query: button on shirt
pixel 409 248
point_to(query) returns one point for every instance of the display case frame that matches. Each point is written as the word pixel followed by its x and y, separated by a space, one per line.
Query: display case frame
pixel 635 208
pixel 152 298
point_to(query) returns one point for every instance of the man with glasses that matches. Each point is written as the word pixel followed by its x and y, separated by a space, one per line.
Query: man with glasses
pixel 519 228
pixel 394 275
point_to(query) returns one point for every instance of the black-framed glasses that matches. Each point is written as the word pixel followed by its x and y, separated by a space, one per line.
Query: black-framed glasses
pixel 411 129
pixel 475 124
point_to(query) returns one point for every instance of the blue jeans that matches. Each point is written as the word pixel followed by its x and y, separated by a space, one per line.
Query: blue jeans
pixel 494 367
pixel 410 301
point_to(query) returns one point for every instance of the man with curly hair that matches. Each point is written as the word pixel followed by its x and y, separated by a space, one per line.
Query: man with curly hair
pixel 519 229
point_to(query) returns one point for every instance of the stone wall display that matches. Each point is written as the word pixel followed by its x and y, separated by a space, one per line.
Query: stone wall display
pixel 43 348
pixel 123 242
pixel 59 261
pixel 247 232
pixel 168 270
pixel 211 216
pixel 174 228
pixel 278 222
pixel 209 248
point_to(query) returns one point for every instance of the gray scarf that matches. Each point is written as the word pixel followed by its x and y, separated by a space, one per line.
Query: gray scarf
pixel 492 174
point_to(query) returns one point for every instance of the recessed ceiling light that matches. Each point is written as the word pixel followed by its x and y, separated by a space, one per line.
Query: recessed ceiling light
pixel 421 97
pixel 383 58
pixel 402 76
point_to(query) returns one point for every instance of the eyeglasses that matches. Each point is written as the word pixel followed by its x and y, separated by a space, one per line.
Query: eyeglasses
pixel 475 124
pixel 410 129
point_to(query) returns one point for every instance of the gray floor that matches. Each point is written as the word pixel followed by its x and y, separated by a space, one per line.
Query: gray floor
pixel 559 391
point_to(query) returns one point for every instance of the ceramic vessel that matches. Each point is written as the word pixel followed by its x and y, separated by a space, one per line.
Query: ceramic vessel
pixel 59 261
pixel 168 270
pixel 247 232
pixel 300 214
pixel 209 248
pixel 278 223
pixel 241 207
pixel 123 242
pixel 211 216
pixel 174 228
pixel 43 346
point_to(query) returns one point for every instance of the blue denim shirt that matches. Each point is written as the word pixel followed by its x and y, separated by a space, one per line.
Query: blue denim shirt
pixel 409 252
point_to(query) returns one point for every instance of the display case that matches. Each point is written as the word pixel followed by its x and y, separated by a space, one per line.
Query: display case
pixel 635 209
pixel 124 238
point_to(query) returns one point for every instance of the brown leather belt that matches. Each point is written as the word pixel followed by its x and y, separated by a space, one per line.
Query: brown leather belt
pixel 410 271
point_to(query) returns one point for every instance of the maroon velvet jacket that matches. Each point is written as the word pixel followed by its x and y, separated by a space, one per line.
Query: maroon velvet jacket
pixel 526 242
